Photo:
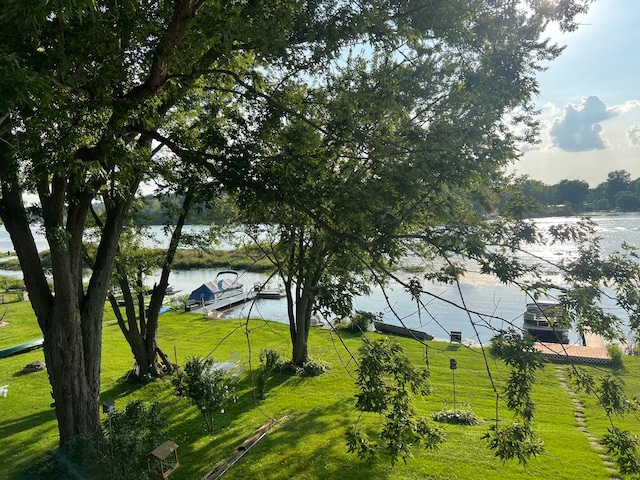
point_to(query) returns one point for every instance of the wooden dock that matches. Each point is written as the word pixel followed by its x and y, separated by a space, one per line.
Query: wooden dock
pixel 559 353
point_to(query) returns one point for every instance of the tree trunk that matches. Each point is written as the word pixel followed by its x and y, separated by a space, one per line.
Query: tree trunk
pixel 300 334
pixel 75 390
pixel 70 320
pixel 141 331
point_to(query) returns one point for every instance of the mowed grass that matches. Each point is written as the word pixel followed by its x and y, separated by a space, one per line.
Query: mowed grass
pixel 309 443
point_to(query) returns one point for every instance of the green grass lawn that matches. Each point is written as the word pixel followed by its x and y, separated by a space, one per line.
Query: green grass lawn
pixel 309 443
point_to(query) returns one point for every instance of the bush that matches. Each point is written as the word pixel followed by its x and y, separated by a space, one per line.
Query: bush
pixel 118 451
pixel 456 417
pixel 130 435
pixel 362 321
pixel 615 352
pixel 311 368
pixel 270 360
pixel 207 388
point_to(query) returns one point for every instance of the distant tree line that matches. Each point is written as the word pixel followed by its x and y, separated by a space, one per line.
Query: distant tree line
pixel 160 210
pixel 617 192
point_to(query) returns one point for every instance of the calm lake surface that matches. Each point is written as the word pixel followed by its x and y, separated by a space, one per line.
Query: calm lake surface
pixel 500 304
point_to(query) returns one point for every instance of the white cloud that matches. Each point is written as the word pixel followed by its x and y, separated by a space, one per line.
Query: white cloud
pixel 579 129
pixel 633 135
pixel 625 107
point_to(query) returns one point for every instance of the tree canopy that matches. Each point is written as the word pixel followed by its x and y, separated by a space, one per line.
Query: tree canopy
pixel 412 101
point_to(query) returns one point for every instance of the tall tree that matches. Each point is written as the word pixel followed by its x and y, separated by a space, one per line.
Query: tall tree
pixel 389 143
pixel 87 87
pixel 573 191
pixel 617 181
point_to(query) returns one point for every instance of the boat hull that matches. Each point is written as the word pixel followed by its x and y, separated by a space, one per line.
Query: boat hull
pixel 21 348
pixel 540 319
pixel 548 335
pixel 402 331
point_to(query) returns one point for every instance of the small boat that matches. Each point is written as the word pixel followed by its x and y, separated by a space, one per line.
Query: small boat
pixel 540 320
pixel 163 309
pixel 402 331
pixel 263 290
pixel 223 292
pixel 171 290
pixel 21 348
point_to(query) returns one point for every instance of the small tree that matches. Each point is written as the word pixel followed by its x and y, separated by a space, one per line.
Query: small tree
pixel 270 360
pixel 130 435
pixel 118 450
pixel 516 441
pixel 385 378
pixel 206 387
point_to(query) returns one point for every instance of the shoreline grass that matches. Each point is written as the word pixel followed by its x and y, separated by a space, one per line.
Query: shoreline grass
pixel 310 443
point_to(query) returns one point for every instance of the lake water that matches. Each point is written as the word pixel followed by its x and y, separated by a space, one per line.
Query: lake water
pixel 480 293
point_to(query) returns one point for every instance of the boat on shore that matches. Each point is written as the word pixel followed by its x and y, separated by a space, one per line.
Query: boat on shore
pixel 402 331
pixel 22 347
pixel 540 319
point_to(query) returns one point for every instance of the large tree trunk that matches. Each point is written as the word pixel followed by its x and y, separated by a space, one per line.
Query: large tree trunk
pixel 71 366
pixel 70 320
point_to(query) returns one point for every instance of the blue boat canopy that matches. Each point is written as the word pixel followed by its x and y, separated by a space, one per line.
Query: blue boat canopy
pixel 208 292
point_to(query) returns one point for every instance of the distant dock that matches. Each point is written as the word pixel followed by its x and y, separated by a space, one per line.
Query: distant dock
pixel 593 352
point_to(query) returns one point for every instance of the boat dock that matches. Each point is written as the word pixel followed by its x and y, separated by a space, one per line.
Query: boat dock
pixel 560 353
pixel 220 304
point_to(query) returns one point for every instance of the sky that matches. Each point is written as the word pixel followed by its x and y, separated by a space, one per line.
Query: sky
pixel 590 100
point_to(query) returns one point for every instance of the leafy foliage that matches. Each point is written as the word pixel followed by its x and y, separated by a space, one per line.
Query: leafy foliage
pixel 310 368
pixel 615 353
pixel 362 321
pixel 130 435
pixel 385 379
pixel 270 360
pixel 206 387
pixel 119 450
pixel 622 445
pixel 523 361
pixel 456 417
pixel 516 441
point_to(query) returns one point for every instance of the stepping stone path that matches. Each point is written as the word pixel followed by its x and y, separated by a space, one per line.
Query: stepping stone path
pixel 582 426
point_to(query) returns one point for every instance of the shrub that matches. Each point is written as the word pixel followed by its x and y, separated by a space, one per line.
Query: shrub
pixel 130 435
pixel 118 451
pixel 270 360
pixel 310 368
pixel 362 321
pixel 456 417
pixel 207 388
pixel 615 352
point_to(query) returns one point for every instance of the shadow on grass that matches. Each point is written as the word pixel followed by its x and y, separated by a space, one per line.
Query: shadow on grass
pixel 22 373
pixel 317 436
pixel 38 425
pixel 126 385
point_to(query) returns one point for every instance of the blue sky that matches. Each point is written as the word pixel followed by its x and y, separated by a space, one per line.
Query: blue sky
pixel 590 100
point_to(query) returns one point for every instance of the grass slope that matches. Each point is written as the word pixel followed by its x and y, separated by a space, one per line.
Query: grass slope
pixel 309 444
